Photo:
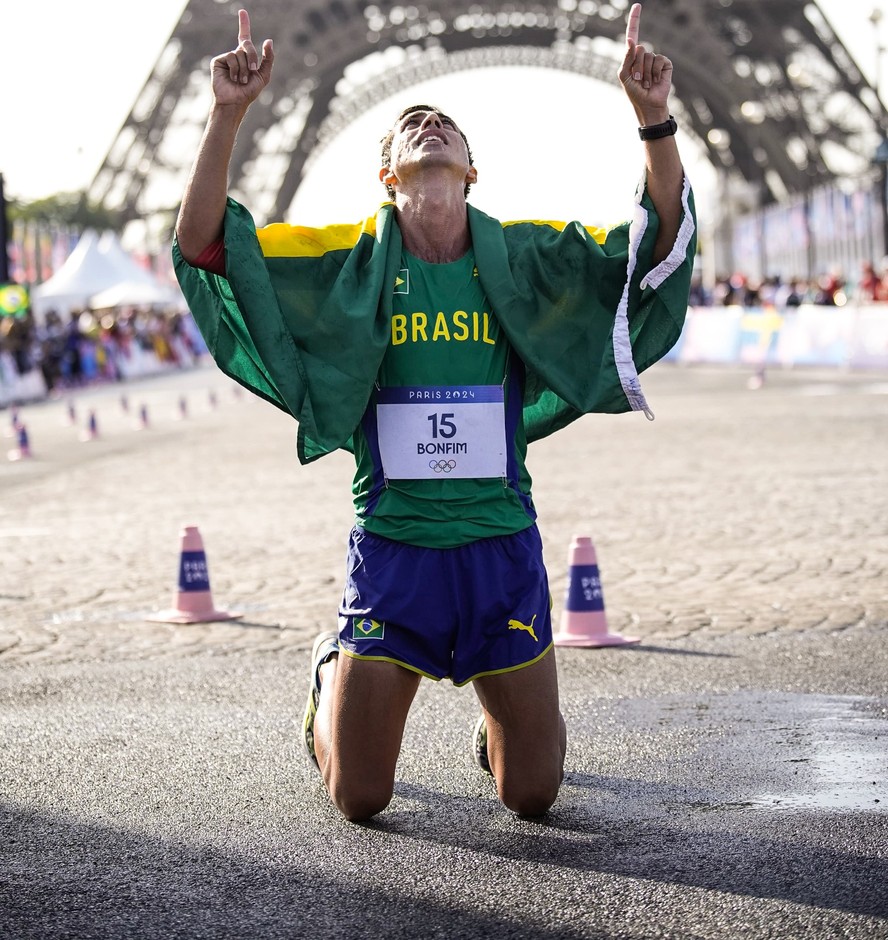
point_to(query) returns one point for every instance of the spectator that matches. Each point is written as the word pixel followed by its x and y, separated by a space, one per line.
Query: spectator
pixel 870 284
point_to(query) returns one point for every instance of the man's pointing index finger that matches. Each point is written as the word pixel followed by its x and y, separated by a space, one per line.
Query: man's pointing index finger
pixel 243 26
pixel 632 25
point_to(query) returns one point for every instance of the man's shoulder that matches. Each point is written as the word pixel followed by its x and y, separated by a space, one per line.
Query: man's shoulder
pixel 523 228
pixel 285 240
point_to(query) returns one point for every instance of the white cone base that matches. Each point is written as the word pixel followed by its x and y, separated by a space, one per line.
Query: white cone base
pixel 193 607
pixel 187 616
pixel 589 628
pixel 611 639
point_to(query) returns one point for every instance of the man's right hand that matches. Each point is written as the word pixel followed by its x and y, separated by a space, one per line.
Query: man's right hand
pixel 240 75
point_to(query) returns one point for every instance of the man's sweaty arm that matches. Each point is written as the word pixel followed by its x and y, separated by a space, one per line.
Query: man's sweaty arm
pixel 238 77
pixel 647 80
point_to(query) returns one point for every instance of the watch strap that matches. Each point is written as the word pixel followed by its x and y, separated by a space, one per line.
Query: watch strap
pixel 656 131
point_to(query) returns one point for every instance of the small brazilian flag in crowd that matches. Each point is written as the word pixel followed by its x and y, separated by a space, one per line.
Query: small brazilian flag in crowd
pixel 363 628
pixel 14 300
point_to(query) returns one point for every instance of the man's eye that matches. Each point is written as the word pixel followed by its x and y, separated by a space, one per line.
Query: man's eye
pixel 448 122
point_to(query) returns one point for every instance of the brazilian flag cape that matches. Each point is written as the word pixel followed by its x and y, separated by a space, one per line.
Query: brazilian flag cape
pixel 302 315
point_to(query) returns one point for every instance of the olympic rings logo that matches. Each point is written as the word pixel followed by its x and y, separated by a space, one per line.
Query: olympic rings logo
pixel 442 466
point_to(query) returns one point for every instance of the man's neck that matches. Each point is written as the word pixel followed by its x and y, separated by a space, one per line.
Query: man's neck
pixel 434 226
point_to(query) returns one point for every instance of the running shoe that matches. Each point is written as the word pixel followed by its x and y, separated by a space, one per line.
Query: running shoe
pixel 325 646
pixel 479 744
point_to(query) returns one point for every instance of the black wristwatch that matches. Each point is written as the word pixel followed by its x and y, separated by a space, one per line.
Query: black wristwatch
pixel 656 131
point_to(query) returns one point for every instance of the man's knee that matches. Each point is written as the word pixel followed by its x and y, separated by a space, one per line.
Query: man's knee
pixel 529 785
pixel 529 795
pixel 360 802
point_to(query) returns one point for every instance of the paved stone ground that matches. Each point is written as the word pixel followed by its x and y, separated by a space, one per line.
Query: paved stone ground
pixel 724 778
pixel 735 511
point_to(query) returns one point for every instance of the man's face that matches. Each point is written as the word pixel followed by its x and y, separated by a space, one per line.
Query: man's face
pixel 426 138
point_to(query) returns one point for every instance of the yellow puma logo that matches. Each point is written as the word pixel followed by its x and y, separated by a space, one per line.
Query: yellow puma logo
pixel 518 625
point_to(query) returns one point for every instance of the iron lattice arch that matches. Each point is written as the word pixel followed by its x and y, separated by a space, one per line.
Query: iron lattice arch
pixel 765 85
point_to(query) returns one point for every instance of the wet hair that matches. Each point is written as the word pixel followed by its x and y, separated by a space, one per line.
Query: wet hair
pixel 389 137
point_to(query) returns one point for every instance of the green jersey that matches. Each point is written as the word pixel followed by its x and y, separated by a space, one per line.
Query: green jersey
pixel 440 451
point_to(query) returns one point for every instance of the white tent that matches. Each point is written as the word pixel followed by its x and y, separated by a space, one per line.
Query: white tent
pixel 137 294
pixel 97 263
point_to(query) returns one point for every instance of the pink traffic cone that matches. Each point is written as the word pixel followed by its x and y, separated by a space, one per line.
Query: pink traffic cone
pixel 193 602
pixel 583 622
pixel 142 422
pixel 91 432
pixel 23 451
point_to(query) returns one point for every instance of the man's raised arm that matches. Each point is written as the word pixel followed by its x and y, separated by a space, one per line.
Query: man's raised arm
pixel 238 77
pixel 647 80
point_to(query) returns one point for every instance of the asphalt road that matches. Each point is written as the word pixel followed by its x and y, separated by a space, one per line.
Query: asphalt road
pixel 726 777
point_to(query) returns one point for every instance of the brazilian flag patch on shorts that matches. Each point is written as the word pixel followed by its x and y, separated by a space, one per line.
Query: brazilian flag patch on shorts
pixel 363 628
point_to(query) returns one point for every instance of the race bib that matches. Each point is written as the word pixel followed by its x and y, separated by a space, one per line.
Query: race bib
pixel 435 432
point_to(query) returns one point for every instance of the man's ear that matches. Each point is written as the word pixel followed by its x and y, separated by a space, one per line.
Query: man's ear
pixel 386 176
pixel 471 176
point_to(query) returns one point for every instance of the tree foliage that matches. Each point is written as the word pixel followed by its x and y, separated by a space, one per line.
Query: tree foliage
pixel 71 209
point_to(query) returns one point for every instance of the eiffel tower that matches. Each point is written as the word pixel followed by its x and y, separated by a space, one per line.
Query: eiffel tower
pixel 765 85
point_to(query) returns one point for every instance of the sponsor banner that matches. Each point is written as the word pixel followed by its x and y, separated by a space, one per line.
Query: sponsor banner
pixel 711 334
pixel 811 335
pixel 869 344
pixel 817 336
pixel 760 331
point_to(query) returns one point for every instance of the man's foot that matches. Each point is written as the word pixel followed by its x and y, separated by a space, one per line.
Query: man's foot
pixel 479 744
pixel 326 645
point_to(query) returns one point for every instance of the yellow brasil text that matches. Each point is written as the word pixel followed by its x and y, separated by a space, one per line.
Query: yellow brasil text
pixel 459 326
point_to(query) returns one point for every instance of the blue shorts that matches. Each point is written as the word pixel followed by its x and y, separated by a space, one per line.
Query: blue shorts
pixel 464 612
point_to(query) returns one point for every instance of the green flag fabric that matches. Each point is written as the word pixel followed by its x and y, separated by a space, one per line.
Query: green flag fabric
pixel 302 315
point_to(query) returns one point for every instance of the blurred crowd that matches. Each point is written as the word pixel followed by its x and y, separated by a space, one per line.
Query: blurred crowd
pixel 829 290
pixel 84 349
